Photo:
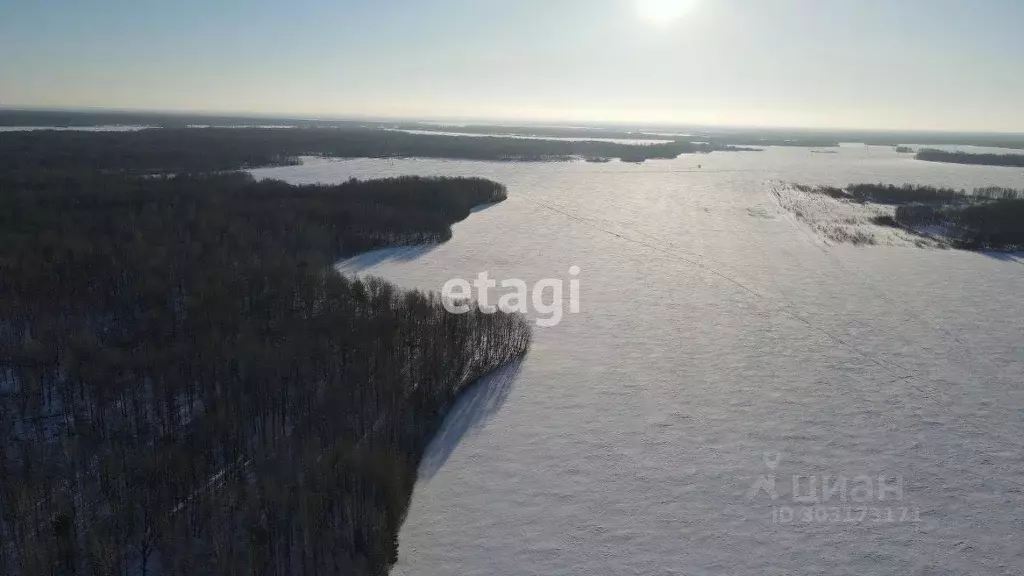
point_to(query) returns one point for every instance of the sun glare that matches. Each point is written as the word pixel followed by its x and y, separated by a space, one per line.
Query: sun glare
pixel 662 11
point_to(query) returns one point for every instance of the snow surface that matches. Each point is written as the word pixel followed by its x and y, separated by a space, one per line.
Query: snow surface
pixel 716 334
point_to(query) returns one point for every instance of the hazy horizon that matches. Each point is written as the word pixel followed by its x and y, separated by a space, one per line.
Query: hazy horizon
pixel 511 122
pixel 872 65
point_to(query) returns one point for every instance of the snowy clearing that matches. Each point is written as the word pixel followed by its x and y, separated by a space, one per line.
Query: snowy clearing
pixel 845 221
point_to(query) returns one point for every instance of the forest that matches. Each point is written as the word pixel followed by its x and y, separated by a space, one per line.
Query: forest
pixel 933 155
pixel 83 118
pixel 994 225
pixel 188 387
pixel 887 193
pixel 205 149
pixel 892 194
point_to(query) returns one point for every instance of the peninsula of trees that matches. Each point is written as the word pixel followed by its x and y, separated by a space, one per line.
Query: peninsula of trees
pixel 185 382
pixel 933 155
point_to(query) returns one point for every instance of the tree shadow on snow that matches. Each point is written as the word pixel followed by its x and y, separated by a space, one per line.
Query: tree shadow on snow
pixel 482 207
pixel 471 412
pixel 367 260
pixel 1015 257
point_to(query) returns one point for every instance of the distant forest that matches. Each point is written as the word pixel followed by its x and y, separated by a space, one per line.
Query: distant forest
pixel 204 149
pixel 185 383
pixel 80 119
pixel 745 137
pixel 932 155
pixel 538 131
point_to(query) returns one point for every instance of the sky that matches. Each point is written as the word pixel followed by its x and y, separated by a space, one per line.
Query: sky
pixel 862 64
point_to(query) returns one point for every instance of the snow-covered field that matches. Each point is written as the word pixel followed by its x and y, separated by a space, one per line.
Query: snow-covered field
pixel 721 345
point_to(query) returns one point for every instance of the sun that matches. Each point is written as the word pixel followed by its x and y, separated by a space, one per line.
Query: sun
pixel 662 12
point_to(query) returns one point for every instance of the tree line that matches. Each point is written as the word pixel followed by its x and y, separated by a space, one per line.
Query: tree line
pixel 901 194
pixel 187 387
pixel 176 150
pixel 933 155
pixel 993 225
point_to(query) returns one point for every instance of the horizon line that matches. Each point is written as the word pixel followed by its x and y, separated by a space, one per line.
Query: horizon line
pixel 483 120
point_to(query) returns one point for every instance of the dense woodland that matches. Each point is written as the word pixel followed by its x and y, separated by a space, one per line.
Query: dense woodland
pixel 91 118
pixel 892 194
pixel 203 149
pixel 932 155
pixel 187 387
pixel 994 225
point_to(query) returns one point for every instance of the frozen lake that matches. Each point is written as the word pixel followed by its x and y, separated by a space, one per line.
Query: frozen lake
pixel 720 343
